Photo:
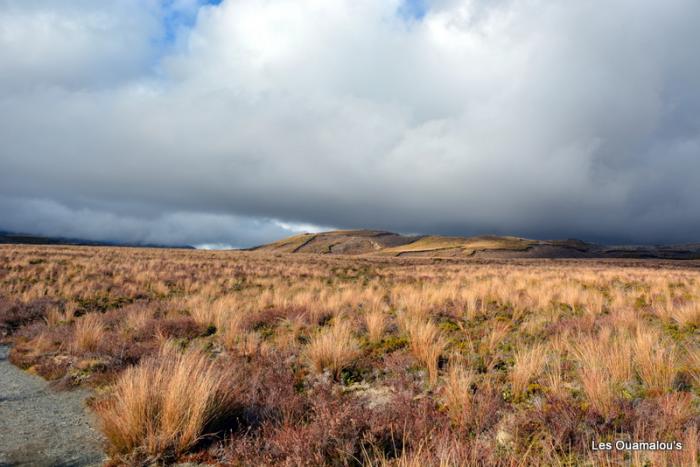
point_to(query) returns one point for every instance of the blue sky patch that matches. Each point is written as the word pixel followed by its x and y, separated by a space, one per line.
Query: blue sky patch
pixel 413 9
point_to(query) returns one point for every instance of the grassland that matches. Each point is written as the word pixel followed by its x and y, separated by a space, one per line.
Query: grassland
pixel 253 358
pixel 466 245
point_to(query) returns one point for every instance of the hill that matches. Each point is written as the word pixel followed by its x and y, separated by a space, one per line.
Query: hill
pixel 347 242
pixel 375 242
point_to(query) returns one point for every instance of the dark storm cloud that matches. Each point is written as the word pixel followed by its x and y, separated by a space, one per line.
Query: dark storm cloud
pixel 546 119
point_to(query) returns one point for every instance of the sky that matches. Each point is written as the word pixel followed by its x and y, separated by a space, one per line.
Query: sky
pixel 238 122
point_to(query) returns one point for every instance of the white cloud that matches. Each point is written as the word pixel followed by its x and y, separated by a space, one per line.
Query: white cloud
pixel 302 228
pixel 515 116
pixel 215 246
pixel 206 231
pixel 76 43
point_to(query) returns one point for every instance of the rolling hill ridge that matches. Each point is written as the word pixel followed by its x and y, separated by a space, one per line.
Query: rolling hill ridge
pixel 376 242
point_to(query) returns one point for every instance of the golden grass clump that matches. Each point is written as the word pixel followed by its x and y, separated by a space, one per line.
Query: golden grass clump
pixel 165 405
pixel 201 310
pixel 56 317
pixel 495 337
pixel 332 349
pixel 53 317
pixel 655 361
pixel 42 344
pixel 687 315
pixel 528 364
pixel 231 329
pixel 457 392
pixel 427 344
pixel 693 363
pixel 375 322
pixel 605 365
pixel 135 321
pixel 89 333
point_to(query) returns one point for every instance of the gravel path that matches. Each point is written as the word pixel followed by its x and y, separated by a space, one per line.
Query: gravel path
pixel 42 427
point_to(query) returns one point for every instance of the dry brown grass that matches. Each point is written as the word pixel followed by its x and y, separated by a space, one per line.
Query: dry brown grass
pixel 89 333
pixel 605 363
pixel 57 317
pixel 528 364
pixel 332 349
pixel 457 392
pixel 544 354
pixel 687 315
pixel 232 330
pixel 427 344
pixel 375 322
pixel 693 359
pixel 655 362
pixel 164 406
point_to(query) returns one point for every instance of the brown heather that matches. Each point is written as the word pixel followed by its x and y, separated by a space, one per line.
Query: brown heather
pixel 215 357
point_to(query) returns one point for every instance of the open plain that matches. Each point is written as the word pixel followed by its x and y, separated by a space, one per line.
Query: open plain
pixel 263 358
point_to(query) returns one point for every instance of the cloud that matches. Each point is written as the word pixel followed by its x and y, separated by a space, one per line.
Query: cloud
pixel 521 117
pixel 208 231
pixel 75 44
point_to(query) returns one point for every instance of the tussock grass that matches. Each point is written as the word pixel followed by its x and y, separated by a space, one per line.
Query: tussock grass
pixel 528 364
pixel 232 329
pixel 693 359
pixel 605 365
pixel 687 315
pixel 427 344
pixel 165 405
pixel 375 322
pixel 543 355
pixel 655 361
pixel 457 392
pixel 89 333
pixel 332 349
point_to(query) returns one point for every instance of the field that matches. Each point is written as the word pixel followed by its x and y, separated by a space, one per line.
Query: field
pixel 257 358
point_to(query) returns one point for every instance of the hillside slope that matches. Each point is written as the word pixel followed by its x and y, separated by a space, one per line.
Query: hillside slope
pixel 374 242
pixel 347 242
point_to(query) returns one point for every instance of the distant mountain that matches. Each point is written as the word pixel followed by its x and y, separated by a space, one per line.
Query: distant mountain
pixel 28 239
pixel 373 242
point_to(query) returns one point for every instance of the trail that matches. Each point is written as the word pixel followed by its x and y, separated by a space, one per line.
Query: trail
pixel 42 427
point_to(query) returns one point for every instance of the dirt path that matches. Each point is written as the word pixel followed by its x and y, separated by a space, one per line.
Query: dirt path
pixel 41 427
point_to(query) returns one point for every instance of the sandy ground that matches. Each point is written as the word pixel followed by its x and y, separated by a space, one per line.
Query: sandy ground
pixel 42 427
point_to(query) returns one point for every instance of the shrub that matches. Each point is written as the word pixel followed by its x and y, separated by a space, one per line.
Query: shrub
pixel 14 315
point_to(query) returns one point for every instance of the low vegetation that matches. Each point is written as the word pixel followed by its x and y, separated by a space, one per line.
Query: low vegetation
pixel 259 358
pixel 164 406
pixel 332 349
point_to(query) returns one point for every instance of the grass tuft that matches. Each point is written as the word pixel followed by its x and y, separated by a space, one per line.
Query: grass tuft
pixel 332 349
pixel 166 405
